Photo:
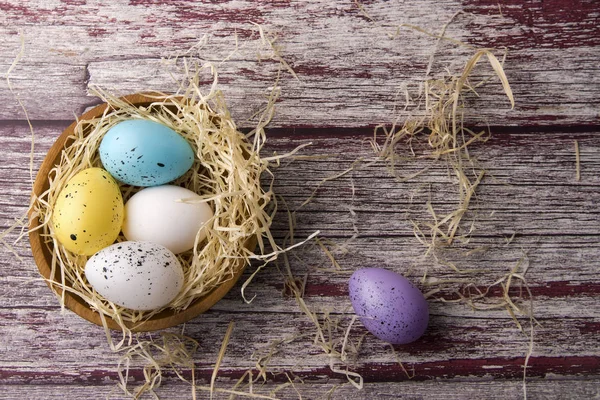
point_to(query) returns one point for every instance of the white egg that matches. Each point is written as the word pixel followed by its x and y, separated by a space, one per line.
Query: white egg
pixel 161 214
pixel 135 275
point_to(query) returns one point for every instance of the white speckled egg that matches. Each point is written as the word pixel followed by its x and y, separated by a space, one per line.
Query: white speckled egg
pixel 158 214
pixel 388 305
pixel 135 275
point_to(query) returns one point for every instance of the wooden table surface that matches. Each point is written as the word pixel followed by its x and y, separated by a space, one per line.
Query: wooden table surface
pixel 353 62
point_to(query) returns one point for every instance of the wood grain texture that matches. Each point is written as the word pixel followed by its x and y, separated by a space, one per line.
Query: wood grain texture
pixel 460 343
pixel 42 252
pixel 558 389
pixel 353 63
pixel 351 67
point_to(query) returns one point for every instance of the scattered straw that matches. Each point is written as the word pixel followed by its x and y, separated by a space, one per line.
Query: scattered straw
pixel 232 187
pixel 528 355
pixel 355 164
pixel 362 10
pixel 329 334
pixel 439 114
pixel 409 375
pixel 577 162
pixel 226 174
pixel 448 140
pixel 440 36
pixel 438 117
pixel 270 41
pixel 14 64
pixel 238 393
pixel 220 357
pixel 20 223
pixel 173 353
pixel 474 296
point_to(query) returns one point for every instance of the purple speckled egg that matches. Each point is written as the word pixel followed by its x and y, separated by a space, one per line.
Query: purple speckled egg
pixel 388 305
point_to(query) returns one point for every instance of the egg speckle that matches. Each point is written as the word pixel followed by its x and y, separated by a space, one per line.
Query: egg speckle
pixel 136 275
pixel 145 153
pixel 388 305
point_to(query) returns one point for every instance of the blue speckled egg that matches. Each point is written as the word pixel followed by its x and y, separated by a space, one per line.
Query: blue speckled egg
pixel 145 153
pixel 388 305
pixel 136 275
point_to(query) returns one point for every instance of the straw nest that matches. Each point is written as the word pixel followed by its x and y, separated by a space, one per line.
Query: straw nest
pixel 226 173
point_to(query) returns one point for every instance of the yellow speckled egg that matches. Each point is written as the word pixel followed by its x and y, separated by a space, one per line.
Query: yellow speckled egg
pixel 88 213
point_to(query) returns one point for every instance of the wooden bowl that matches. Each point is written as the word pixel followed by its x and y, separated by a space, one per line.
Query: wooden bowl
pixel 42 252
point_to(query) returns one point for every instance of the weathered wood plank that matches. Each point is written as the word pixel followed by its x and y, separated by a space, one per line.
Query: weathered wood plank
pixel 352 64
pixel 483 344
pixel 351 68
pixel 562 346
pixel 382 214
pixel 562 280
pixel 494 390
pixel 327 95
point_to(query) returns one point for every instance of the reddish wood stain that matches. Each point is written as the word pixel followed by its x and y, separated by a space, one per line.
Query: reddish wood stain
pixel 551 289
pixel 98 32
pixel 456 368
pixel 74 2
pixel 543 23
pixel 32 15
pixel 553 59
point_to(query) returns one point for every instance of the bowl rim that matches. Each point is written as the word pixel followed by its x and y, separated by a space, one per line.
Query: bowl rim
pixel 41 250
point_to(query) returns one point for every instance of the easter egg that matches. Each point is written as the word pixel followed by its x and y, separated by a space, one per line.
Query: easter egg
pixel 388 305
pixel 145 153
pixel 135 275
pixel 165 215
pixel 88 212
